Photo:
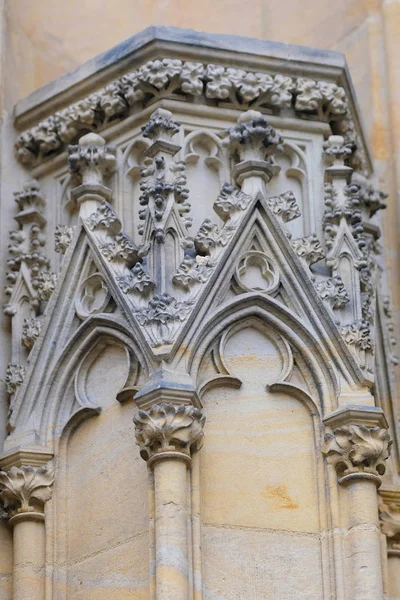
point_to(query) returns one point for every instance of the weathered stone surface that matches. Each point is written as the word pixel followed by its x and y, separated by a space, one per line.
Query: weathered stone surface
pixel 209 267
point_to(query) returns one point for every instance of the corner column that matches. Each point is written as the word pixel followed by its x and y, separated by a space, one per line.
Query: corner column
pixel 168 434
pixel 389 514
pixel 358 452
pixel 24 491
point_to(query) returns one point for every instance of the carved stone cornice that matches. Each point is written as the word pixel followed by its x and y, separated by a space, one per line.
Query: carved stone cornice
pixel 25 490
pixel 169 431
pixel 156 78
pixel 358 451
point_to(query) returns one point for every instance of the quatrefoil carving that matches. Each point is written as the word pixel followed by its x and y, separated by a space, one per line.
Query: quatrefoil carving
pixel 257 272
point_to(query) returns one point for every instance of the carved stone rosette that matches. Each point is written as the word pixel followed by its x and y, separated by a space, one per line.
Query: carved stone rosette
pixel 166 430
pixel 358 451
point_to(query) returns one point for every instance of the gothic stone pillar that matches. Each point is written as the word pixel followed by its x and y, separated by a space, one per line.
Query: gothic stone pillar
pixel 358 453
pixel 167 435
pixel 389 514
pixel 24 490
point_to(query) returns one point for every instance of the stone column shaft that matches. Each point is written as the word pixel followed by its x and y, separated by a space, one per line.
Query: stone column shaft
pixel 167 435
pixel 29 538
pixel 364 539
pixel 359 452
pixel 24 491
pixel 172 572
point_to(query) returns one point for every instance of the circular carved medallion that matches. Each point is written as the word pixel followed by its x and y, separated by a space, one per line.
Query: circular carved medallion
pixel 257 272
pixel 93 296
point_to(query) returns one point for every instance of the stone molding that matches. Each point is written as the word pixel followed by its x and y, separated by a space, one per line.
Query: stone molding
pixel 167 430
pixel 25 490
pixel 238 88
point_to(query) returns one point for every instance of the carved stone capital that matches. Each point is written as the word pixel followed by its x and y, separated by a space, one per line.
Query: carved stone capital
pixel 25 490
pixel 167 430
pixel 357 450
pixel 91 159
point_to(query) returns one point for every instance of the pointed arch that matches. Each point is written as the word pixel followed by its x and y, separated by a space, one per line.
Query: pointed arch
pixel 54 416
pixel 292 329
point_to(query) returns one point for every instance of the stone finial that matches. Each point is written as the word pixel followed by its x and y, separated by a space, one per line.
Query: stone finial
pixel 357 450
pixel 167 428
pixel 25 489
pixel 255 142
pixel 91 159
pixel 336 151
pixel 161 126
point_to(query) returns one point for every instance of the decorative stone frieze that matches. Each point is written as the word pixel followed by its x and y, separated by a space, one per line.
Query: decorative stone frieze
pixel 358 450
pixel 30 331
pixel 167 428
pixel 24 490
pixel 214 82
pixel 62 238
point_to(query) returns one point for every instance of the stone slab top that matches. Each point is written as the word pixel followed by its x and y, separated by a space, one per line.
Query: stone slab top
pixel 103 65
